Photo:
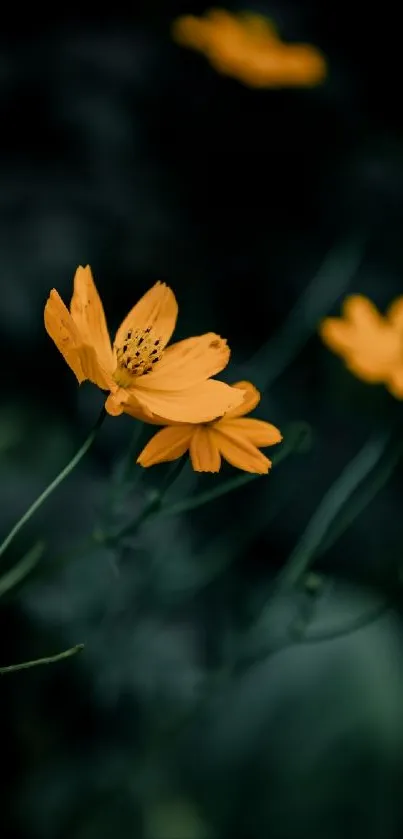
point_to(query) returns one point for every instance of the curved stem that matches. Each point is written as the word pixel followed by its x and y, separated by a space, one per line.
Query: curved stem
pixel 297 441
pixel 335 499
pixel 338 268
pixel 55 483
pixel 362 500
pixel 150 509
pixel 22 568
pixel 51 659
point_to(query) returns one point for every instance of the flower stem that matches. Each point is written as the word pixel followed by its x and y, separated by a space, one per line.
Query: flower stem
pixel 296 439
pixel 338 268
pixel 55 483
pixel 22 568
pixel 150 509
pixel 354 474
pixel 26 665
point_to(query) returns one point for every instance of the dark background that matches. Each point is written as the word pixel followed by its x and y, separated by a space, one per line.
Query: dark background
pixel 180 720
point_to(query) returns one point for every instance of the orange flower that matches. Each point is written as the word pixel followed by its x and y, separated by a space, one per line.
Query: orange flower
pixel 370 344
pixel 232 437
pixel 247 47
pixel 143 377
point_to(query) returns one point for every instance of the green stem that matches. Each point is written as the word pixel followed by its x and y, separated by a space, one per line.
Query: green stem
pixel 332 278
pixel 150 509
pixel 26 665
pixel 360 502
pixel 55 483
pixel 339 494
pixel 296 439
pixel 21 569
pixel 354 625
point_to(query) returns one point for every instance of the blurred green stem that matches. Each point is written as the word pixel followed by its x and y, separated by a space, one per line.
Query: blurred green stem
pixel 335 499
pixel 364 497
pixel 21 569
pixel 296 439
pixel 150 509
pixel 55 483
pixel 26 665
pixel 338 268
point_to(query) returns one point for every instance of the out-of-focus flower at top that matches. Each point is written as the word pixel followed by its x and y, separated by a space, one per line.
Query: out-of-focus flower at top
pixel 143 377
pixel 247 46
pixel 370 344
pixel 233 437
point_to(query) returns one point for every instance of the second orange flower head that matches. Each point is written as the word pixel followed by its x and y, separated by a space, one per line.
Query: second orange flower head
pixel 234 437
pixel 144 377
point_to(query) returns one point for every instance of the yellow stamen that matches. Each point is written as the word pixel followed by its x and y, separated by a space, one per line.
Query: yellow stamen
pixel 137 356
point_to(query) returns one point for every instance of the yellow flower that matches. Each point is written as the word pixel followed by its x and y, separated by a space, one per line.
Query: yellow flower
pixel 247 47
pixel 233 437
pixel 143 377
pixel 370 344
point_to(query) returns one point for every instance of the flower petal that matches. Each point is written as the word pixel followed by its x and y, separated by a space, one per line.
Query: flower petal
pixel 168 444
pixel 88 314
pixel 260 27
pixel 122 401
pixel 113 406
pixel 362 312
pixel 61 328
pixel 251 399
pixel 395 383
pixel 187 363
pixel 337 334
pixel 157 308
pixel 365 369
pixel 240 452
pixel 256 431
pixel 201 403
pixel 80 357
pixel 204 452
pixel 190 31
pixel 395 314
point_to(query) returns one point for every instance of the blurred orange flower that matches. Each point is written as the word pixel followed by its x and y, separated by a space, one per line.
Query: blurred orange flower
pixel 370 344
pixel 234 437
pixel 246 46
pixel 142 377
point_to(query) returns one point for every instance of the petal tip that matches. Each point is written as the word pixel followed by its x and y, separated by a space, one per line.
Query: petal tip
pixel 53 295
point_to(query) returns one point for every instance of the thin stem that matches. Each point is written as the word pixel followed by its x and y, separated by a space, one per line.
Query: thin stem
pixel 338 268
pixel 150 509
pixel 354 625
pixel 21 569
pixel 207 496
pixel 300 639
pixel 297 439
pixel 26 665
pixel 359 503
pixel 55 483
pixel 334 500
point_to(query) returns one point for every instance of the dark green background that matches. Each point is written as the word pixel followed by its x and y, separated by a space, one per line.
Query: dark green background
pixel 182 719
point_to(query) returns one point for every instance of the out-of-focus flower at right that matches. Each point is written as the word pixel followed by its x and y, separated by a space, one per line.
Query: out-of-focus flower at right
pixel 370 343
pixel 247 47
pixel 233 437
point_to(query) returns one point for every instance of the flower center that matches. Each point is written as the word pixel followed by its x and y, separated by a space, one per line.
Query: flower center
pixel 140 351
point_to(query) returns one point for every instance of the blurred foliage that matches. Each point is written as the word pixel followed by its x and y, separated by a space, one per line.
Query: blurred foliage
pixel 209 702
